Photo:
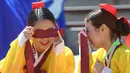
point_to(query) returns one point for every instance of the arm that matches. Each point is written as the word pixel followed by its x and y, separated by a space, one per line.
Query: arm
pixel 121 61
pixel 15 56
pixel 70 61
pixel 11 61
pixel 62 60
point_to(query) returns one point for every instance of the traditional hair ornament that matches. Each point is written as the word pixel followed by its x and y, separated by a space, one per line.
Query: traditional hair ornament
pixel 123 26
pixel 108 8
pixel 36 5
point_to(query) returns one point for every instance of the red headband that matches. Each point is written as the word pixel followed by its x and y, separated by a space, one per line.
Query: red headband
pixel 48 33
pixel 36 5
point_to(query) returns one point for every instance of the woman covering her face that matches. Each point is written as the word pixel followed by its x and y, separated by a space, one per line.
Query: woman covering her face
pixel 39 48
pixel 104 31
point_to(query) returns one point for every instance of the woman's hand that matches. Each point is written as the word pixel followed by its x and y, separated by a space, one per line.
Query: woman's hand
pixel 28 32
pixel 59 39
pixel 98 67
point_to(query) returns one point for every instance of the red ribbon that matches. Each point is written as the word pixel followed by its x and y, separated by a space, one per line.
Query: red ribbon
pixel 29 57
pixel 37 68
pixel 84 52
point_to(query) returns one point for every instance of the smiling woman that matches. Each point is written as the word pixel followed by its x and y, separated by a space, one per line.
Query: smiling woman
pixel 103 30
pixel 39 48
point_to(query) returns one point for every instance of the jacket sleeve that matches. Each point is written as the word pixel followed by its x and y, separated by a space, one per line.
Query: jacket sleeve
pixel 62 60
pixel 121 61
pixel 13 59
pixel 70 61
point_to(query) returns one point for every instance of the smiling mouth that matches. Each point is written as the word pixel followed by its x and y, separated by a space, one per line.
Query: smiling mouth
pixel 44 44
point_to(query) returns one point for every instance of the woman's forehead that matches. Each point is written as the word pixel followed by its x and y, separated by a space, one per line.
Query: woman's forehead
pixel 88 24
pixel 44 25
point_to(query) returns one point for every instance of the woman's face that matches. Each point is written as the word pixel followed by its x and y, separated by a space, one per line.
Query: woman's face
pixel 95 35
pixel 43 43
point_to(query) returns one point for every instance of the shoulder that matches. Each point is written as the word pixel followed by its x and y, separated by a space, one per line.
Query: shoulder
pixel 14 42
pixel 69 57
pixel 68 51
pixel 122 49
pixel 122 52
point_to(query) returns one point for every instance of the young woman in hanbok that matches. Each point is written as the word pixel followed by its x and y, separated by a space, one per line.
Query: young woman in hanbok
pixel 103 30
pixel 39 48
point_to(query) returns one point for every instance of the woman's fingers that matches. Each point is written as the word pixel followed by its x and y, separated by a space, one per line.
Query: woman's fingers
pixel 98 67
pixel 59 36
pixel 28 32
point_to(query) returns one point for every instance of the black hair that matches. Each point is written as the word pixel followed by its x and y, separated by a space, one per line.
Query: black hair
pixel 39 14
pixel 123 26
pixel 118 26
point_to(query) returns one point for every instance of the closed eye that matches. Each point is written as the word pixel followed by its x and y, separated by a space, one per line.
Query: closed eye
pixel 50 28
pixel 86 30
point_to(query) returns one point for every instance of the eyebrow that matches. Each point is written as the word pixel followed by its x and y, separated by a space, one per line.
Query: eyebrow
pixel 50 28
pixel 46 29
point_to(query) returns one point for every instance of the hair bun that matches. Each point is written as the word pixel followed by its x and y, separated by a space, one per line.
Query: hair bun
pixel 123 26
pixel 36 5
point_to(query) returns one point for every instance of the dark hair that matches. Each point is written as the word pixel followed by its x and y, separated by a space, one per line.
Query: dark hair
pixel 118 26
pixel 39 14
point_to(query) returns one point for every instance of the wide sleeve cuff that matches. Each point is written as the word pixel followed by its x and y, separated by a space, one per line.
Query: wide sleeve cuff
pixel 59 48
pixel 21 39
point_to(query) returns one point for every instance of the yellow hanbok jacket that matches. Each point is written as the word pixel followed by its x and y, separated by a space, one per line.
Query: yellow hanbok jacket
pixel 120 62
pixel 14 61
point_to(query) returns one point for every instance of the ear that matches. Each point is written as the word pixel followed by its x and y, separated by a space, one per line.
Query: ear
pixel 104 29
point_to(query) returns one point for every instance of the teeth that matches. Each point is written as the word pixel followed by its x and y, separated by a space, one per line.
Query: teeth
pixel 44 42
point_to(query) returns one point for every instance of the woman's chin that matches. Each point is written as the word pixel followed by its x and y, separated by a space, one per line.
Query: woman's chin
pixel 45 46
pixel 94 47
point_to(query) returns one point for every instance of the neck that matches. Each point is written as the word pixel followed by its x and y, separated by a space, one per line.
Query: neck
pixel 40 51
pixel 108 45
